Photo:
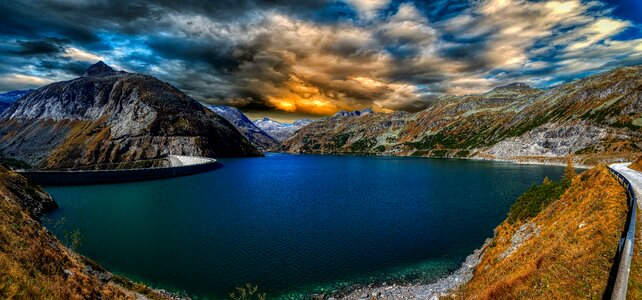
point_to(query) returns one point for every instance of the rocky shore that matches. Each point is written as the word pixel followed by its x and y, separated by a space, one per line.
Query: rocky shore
pixel 442 287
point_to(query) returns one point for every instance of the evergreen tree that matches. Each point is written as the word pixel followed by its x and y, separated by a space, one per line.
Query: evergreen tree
pixel 569 172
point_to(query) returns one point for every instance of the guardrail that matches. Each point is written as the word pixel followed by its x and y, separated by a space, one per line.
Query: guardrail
pixel 625 248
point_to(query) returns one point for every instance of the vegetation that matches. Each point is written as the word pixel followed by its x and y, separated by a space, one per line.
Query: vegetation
pixel 73 239
pixel 363 144
pixel 538 197
pixel 248 292
pixel 566 251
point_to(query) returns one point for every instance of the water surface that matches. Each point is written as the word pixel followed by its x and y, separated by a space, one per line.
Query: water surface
pixel 294 224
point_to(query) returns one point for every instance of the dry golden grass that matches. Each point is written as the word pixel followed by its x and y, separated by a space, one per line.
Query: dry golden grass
pixel 570 258
pixel 637 164
pixel 35 265
pixel 81 143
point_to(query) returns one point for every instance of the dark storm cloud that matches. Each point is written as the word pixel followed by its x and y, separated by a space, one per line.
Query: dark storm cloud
pixel 36 47
pixel 314 56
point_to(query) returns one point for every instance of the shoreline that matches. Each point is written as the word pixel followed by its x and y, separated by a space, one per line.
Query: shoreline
pixel 558 161
pixel 443 286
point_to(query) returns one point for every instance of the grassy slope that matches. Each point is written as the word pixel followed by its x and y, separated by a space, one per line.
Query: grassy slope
pixel 571 256
pixel 33 261
pixel 637 164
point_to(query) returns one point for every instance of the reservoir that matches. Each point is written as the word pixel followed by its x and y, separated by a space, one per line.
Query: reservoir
pixel 294 224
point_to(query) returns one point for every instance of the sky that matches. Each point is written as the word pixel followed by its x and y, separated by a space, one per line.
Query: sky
pixel 289 59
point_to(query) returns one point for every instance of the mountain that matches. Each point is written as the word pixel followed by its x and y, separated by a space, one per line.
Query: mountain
pixel 281 131
pixel 355 113
pixel 113 116
pixel 598 118
pixel 9 98
pixel 251 132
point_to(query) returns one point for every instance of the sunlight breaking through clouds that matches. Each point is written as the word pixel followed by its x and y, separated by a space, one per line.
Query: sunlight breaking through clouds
pixel 388 55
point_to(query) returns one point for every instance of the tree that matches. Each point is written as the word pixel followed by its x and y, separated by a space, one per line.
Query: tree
pixel 547 181
pixel 569 172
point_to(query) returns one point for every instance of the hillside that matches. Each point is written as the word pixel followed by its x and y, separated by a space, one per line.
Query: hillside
pixel 564 251
pixel 259 138
pixel 598 118
pixel 110 116
pixel 35 265
pixel 637 164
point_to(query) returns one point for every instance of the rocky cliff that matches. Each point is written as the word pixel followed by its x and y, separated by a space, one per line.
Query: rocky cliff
pixel 597 118
pixel 110 116
pixel 247 128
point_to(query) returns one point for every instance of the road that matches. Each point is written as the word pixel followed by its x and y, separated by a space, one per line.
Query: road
pixel 634 177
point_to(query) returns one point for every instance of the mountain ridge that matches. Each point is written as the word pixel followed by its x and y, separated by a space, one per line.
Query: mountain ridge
pixel 250 131
pixel 594 117
pixel 113 117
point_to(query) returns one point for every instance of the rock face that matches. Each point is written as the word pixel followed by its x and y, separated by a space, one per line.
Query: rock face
pixel 281 131
pixel 598 115
pixel 251 132
pixel 109 117
pixel 9 98
pixel 27 195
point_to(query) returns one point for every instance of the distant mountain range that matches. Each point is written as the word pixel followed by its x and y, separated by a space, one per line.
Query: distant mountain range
pixel 598 118
pixel 110 116
pixel 9 98
pixel 281 131
pixel 249 130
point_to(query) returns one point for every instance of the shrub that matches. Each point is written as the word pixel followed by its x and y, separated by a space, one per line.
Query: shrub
pixel 536 199
pixel 248 292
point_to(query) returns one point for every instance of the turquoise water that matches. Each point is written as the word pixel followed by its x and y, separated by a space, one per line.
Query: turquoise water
pixel 294 224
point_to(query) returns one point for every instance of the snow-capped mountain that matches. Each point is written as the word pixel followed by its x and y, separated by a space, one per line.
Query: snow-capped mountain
pixel 254 134
pixel 280 131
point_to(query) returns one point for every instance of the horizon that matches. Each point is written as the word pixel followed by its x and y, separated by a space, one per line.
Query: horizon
pixel 312 59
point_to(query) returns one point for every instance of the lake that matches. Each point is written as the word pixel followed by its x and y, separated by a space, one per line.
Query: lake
pixel 294 224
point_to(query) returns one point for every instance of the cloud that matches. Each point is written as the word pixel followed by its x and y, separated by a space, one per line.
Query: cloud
pixel 81 55
pixel 20 81
pixel 317 57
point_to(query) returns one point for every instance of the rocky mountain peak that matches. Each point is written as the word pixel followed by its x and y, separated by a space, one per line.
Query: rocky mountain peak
pixel 515 86
pixel 99 69
pixel 355 113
